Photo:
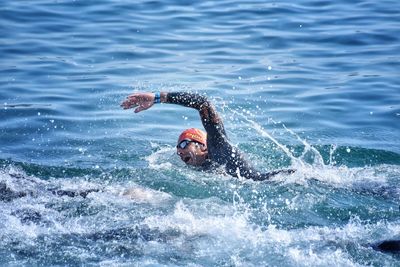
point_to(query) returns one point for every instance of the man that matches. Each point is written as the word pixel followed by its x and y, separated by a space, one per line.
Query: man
pixel 207 150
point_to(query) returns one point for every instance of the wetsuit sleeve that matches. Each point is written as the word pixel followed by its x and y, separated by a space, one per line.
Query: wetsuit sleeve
pixel 212 122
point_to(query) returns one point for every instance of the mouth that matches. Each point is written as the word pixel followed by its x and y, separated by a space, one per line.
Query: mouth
pixel 186 159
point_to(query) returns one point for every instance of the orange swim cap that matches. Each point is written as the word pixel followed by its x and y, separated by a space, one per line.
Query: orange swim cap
pixel 194 135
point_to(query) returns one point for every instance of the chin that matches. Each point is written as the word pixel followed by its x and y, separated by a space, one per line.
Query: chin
pixel 193 162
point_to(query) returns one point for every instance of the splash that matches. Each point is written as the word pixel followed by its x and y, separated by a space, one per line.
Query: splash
pixel 310 164
pixel 161 158
pixel 296 161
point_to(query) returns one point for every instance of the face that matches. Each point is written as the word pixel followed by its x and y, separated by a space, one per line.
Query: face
pixel 193 154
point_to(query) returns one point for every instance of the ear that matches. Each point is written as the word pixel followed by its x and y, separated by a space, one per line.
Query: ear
pixel 203 148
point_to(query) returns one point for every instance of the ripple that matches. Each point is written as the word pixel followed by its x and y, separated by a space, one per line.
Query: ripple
pixel 327 71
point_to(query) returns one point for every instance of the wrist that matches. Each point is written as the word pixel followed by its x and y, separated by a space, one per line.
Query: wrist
pixel 163 97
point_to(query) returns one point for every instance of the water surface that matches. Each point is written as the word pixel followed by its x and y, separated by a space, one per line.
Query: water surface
pixel 312 85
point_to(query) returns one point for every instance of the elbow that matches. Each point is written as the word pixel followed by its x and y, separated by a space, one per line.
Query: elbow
pixel 199 101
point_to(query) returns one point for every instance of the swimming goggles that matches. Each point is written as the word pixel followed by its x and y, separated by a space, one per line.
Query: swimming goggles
pixel 184 144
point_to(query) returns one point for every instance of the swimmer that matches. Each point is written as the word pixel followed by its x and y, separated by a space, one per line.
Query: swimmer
pixel 195 147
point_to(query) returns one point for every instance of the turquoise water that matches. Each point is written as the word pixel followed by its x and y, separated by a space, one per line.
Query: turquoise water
pixel 312 85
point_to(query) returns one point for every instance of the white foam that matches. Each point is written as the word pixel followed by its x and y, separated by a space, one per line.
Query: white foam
pixel 187 222
pixel 213 229
pixel 365 178
pixel 327 258
pixel 146 195
pixel 234 233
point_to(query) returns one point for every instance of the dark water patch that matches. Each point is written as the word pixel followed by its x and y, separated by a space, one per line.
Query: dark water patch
pixel 6 106
pixel 388 246
pixel 47 172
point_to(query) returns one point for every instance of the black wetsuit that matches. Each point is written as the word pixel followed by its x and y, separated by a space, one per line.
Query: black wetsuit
pixel 220 151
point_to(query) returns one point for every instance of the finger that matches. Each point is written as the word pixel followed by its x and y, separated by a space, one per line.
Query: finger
pixel 125 107
pixel 139 108
pixel 127 104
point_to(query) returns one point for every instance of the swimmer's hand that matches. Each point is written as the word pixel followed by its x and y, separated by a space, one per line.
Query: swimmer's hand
pixel 140 101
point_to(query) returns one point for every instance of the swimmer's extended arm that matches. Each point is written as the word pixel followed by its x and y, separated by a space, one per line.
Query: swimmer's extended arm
pixel 212 122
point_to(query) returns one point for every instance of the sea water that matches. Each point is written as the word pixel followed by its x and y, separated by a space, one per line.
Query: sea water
pixel 311 85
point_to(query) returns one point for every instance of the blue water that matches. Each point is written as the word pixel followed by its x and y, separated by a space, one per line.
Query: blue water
pixel 312 85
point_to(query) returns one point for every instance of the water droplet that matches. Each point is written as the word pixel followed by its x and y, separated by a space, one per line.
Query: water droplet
pixel 348 150
pixel 269 68
pixel 239 78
